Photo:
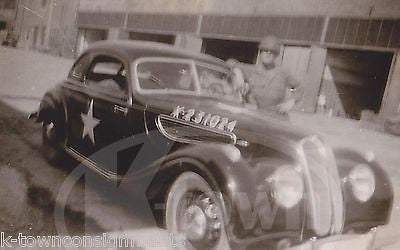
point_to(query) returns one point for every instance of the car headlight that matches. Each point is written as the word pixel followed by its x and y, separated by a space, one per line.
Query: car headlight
pixel 362 181
pixel 287 186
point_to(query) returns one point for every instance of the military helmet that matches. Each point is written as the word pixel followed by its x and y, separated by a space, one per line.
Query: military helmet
pixel 270 43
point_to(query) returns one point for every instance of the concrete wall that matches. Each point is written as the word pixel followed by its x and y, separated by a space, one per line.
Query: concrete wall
pixel 7 12
pixel 188 42
pixel 53 24
pixel 374 8
pixel 63 29
pixel 7 15
pixel 31 14
pixel 86 36
pixel 391 105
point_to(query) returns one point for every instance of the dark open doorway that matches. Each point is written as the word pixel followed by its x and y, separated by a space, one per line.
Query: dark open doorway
pixel 161 38
pixel 3 25
pixel 355 80
pixel 94 35
pixel 243 51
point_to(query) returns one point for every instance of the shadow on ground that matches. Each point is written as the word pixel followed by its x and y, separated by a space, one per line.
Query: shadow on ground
pixel 29 186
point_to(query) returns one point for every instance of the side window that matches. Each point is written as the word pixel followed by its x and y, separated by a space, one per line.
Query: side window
pixel 108 75
pixel 78 70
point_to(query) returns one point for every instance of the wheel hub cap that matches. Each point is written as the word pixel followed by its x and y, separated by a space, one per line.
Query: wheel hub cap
pixel 195 223
pixel 49 130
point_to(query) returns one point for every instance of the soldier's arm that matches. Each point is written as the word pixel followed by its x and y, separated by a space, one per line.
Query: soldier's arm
pixel 246 68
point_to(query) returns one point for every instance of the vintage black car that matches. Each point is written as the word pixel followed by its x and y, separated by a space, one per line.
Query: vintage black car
pixel 229 175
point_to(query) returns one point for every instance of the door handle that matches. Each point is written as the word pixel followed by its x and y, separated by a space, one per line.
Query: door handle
pixel 120 109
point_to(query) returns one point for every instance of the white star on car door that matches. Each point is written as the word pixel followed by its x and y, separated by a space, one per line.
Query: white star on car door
pixel 89 123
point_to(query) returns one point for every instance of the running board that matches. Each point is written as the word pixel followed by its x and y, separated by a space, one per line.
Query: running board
pixel 107 174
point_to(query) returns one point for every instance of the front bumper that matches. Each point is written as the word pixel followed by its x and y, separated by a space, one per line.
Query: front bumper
pixel 367 241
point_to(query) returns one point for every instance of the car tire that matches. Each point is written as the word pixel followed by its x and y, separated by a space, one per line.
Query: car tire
pixel 53 141
pixel 194 214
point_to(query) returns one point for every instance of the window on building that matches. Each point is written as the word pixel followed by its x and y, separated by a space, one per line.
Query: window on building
pixel 169 39
pixel 9 4
pixel 243 51
pixel 3 25
pixel 94 35
pixel 43 33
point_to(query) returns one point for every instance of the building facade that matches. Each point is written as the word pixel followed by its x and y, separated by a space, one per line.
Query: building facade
pixel 345 52
pixel 8 13
pixel 47 25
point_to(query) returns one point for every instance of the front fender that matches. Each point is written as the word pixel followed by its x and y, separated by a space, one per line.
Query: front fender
pixel 361 216
pixel 221 165
pixel 224 174
pixel 240 184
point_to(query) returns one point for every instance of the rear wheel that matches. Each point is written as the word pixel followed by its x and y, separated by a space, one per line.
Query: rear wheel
pixel 53 141
pixel 194 213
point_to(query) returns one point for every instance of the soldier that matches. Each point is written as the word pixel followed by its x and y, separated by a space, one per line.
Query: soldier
pixel 269 86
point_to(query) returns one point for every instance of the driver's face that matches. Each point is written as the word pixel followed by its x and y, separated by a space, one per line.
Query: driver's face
pixel 268 57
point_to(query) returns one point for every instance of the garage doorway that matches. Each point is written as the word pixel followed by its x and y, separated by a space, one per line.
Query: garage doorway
pixel 88 36
pixel 3 25
pixel 243 51
pixel 355 80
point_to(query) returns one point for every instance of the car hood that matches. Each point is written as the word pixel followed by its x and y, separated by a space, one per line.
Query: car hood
pixel 264 127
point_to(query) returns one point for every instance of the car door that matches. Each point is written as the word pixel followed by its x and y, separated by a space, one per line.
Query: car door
pixel 110 116
pixel 99 110
pixel 77 102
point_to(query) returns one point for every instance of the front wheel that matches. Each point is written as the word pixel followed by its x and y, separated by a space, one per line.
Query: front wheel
pixel 194 212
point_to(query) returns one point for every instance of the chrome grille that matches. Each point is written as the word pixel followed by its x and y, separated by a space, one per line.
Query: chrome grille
pixel 319 197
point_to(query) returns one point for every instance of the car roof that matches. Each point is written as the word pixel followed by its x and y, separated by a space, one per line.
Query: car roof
pixel 137 49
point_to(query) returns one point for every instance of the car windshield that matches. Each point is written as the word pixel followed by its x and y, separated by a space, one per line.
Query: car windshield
pixel 185 76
